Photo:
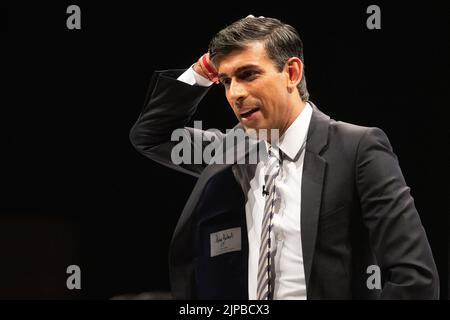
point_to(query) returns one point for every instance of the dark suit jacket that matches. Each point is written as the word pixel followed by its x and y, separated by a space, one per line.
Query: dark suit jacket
pixel 356 209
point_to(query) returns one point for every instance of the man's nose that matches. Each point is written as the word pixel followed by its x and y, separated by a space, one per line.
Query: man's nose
pixel 237 91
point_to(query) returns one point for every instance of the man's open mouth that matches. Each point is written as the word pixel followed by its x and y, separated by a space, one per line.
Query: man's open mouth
pixel 249 113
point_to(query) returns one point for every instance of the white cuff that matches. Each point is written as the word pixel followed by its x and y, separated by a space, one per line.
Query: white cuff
pixel 193 78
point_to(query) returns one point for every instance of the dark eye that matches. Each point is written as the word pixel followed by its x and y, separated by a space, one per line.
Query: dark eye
pixel 226 81
pixel 247 74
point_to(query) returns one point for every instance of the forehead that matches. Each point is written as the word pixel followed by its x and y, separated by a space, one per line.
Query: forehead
pixel 253 54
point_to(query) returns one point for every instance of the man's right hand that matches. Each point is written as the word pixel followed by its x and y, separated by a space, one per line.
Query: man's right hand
pixel 205 68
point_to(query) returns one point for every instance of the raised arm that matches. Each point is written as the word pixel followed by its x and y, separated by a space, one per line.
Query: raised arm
pixel 172 99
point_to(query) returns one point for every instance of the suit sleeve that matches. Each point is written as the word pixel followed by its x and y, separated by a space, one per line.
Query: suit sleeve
pixel 396 232
pixel 169 106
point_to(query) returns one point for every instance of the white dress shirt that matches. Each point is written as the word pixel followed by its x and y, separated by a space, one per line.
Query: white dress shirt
pixel 289 282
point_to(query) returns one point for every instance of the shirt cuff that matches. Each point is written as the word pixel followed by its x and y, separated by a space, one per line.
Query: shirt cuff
pixel 193 78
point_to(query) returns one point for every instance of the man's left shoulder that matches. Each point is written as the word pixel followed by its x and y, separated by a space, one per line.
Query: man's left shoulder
pixel 357 136
pixel 348 135
pixel 347 129
pixel 335 127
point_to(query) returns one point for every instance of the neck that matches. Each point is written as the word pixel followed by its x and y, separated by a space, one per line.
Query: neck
pixel 294 112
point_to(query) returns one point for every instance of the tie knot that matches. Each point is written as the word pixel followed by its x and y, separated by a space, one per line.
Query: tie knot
pixel 275 154
pixel 273 163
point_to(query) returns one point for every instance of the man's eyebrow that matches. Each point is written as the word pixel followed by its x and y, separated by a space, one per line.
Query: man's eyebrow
pixel 239 70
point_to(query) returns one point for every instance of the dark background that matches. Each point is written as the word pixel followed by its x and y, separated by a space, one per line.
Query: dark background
pixel 74 191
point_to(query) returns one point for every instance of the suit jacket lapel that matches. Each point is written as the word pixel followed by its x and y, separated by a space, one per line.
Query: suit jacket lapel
pixel 312 183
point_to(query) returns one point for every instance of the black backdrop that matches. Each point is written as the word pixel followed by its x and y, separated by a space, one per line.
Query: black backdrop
pixel 74 191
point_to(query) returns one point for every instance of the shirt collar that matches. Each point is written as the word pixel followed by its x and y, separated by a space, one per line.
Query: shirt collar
pixel 294 139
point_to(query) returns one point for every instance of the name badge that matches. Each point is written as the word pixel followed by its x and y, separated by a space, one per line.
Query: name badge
pixel 224 241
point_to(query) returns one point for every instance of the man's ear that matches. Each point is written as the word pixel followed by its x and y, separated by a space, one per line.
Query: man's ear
pixel 294 69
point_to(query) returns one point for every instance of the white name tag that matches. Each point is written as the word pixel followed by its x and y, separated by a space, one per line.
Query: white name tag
pixel 225 241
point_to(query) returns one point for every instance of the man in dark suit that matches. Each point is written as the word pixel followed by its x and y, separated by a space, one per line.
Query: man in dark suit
pixel 321 211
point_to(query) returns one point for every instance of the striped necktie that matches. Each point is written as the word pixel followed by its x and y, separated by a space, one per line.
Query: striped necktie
pixel 265 267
